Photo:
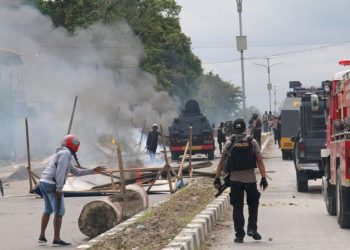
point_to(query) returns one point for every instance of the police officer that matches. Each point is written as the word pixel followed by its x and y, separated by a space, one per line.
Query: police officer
pixel 152 141
pixel 257 126
pixel 240 157
pixel 221 136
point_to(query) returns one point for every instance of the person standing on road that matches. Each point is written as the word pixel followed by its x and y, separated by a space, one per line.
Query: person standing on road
pixel 257 126
pixel 152 142
pixel 1 189
pixel 51 184
pixel 221 136
pixel 278 131
pixel 240 157
pixel 266 121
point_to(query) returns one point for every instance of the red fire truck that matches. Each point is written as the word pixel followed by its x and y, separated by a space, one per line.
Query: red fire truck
pixel 336 157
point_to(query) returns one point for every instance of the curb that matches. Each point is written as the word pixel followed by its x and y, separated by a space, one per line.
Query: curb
pixel 118 228
pixel 196 232
pixel 192 236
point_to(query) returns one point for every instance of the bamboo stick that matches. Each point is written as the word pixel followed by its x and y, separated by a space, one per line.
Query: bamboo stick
pixel 29 167
pixel 190 160
pixel 121 169
pixel 72 115
pixel 183 161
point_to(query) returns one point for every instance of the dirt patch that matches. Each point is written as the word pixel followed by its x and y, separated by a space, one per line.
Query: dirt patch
pixel 158 226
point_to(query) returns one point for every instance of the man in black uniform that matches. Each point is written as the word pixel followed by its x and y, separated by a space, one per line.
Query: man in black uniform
pixel 221 136
pixel 1 188
pixel 240 157
pixel 152 142
pixel 257 126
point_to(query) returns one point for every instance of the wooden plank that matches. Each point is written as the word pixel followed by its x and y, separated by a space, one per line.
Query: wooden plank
pixel 29 167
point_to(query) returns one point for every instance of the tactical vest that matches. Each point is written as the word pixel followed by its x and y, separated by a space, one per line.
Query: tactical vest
pixel 240 156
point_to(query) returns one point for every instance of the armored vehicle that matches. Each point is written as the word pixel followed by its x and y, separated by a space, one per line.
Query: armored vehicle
pixel 309 141
pixel 202 132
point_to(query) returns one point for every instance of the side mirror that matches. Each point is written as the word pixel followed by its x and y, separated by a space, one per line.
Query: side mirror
pixel 314 102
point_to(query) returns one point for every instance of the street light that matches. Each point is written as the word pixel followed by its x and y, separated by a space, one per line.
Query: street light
pixel 269 85
pixel 241 42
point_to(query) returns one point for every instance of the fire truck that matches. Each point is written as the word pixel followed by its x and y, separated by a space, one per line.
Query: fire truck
pixel 336 157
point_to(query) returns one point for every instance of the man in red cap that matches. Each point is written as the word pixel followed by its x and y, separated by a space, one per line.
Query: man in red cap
pixel 51 184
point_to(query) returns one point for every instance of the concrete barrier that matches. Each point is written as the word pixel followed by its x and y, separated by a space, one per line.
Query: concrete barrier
pixel 201 225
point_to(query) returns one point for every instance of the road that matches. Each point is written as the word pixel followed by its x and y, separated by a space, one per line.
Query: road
pixel 287 219
pixel 20 221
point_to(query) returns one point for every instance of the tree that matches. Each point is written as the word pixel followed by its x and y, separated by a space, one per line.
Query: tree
pixel 219 100
pixel 168 52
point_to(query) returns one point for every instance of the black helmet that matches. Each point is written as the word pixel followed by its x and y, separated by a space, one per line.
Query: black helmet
pixel 239 126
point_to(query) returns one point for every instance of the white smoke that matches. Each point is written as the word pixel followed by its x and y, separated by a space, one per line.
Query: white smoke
pixel 99 64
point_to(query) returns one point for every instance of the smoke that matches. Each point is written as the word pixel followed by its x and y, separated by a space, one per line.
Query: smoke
pixel 99 64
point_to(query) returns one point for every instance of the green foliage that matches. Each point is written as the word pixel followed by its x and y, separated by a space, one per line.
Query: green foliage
pixel 219 100
pixel 168 52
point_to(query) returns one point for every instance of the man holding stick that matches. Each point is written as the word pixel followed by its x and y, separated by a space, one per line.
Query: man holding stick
pixel 51 184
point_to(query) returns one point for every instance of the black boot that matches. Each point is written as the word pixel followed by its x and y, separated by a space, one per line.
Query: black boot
pixel 254 234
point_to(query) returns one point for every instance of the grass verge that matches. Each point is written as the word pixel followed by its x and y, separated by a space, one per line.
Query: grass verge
pixel 159 225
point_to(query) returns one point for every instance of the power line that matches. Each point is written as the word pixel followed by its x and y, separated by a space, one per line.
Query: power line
pixel 280 54
pixel 269 45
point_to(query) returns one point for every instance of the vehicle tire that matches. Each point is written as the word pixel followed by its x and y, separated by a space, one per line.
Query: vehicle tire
pixel 302 182
pixel 174 156
pixel 211 155
pixel 328 192
pixel 343 215
pixel 284 155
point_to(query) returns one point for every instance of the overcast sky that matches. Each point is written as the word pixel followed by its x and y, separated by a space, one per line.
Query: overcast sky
pixel 272 27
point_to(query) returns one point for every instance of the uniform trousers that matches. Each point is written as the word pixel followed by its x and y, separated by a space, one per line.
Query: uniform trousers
pixel 237 201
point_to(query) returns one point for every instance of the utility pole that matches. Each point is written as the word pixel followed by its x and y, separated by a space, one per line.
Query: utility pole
pixel 269 85
pixel 241 42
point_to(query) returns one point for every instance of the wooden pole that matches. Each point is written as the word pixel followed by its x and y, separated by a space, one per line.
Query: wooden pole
pixel 183 161
pixel 190 159
pixel 29 167
pixel 164 149
pixel 72 115
pixel 121 169
pixel 167 166
pixel 143 130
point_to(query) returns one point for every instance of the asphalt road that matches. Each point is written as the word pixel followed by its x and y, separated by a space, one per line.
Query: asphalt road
pixel 287 219
pixel 20 222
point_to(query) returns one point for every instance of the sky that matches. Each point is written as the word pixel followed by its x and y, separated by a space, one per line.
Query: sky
pixel 306 37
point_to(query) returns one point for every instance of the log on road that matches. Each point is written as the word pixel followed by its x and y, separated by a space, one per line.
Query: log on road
pixel 101 215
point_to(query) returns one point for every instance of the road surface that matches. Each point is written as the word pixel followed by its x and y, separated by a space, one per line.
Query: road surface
pixel 287 219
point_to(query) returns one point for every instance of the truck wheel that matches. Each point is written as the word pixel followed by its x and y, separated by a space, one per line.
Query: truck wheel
pixel 284 155
pixel 302 182
pixel 343 215
pixel 174 156
pixel 328 192
pixel 211 155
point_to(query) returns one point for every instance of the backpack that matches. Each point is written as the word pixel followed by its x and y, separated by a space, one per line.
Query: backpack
pixel 240 155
